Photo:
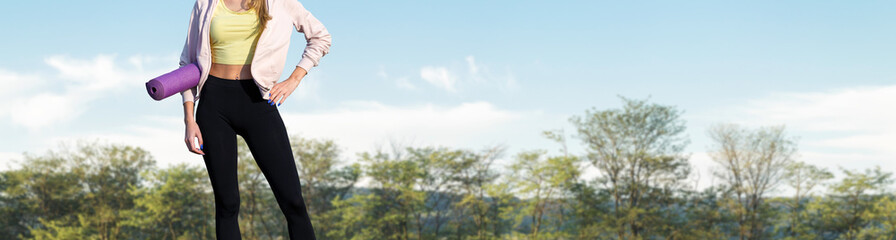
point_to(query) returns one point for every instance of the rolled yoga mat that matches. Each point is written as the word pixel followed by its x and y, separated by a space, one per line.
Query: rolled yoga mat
pixel 173 82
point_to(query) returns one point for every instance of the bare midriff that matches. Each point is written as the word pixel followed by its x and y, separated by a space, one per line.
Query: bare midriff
pixel 232 72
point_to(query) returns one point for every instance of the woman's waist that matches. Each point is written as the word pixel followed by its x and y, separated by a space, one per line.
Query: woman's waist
pixel 230 71
pixel 230 83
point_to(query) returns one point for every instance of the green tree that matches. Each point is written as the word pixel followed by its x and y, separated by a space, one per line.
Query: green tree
pixel 881 220
pixel 752 164
pixel 843 213
pixel 803 178
pixel 543 181
pixel 393 177
pixel 176 204
pixel 704 218
pixel 439 168
pixel 638 152
pixel 318 165
pixel 318 162
pixel 80 189
pixel 486 201
pixel 589 209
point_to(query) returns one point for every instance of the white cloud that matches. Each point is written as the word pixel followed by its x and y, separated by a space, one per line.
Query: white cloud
pixel 360 124
pixel 17 86
pixel 852 128
pixel 477 76
pixel 44 109
pixel 856 118
pixel 86 77
pixel 471 64
pixel 18 83
pixel 46 100
pixel 162 136
pixel 438 76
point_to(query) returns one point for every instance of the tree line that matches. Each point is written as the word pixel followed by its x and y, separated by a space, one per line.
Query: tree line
pixel 644 189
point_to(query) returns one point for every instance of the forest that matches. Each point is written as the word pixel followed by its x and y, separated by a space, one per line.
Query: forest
pixel 644 188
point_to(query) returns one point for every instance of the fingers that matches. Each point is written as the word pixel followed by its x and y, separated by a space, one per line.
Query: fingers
pixel 193 145
pixel 197 145
pixel 189 143
pixel 276 98
pixel 282 98
pixel 273 93
pixel 199 134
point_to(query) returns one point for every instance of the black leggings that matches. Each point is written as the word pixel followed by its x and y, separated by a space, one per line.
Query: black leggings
pixel 230 107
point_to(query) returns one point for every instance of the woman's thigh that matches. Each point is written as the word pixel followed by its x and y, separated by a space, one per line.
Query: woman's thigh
pixel 219 145
pixel 269 143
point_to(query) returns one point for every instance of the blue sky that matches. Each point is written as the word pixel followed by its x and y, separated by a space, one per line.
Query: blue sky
pixel 472 73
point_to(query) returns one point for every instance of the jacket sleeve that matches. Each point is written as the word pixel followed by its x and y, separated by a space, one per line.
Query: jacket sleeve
pixel 188 54
pixel 318 40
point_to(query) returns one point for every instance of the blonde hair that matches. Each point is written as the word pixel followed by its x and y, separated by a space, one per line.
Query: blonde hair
pixel 261 8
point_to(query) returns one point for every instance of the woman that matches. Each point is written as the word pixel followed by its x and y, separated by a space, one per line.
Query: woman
pixel 240 47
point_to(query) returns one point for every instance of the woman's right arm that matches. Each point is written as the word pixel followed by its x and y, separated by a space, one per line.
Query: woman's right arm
pixel 192 135
pixel 187 56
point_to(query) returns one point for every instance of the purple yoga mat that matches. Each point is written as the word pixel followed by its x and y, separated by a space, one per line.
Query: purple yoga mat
pixel 173 82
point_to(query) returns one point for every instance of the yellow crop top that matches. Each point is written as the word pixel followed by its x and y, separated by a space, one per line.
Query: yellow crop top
pixel 233 35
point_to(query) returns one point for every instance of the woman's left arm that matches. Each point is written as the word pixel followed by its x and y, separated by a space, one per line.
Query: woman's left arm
pixel 318 42
pixel 316 35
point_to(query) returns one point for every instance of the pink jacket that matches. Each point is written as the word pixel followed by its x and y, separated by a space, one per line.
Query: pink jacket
pixel 271 48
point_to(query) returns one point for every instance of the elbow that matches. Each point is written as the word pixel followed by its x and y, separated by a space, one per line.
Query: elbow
pixel 189 94
pixel 324 35
pixel 184 58
pixel 323 43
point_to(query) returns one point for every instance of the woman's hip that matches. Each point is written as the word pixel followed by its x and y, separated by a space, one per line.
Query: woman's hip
pixel 233 97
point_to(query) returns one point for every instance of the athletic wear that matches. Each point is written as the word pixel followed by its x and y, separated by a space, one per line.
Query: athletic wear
pixel 231 107
pixel 270 51
pixel 233 35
